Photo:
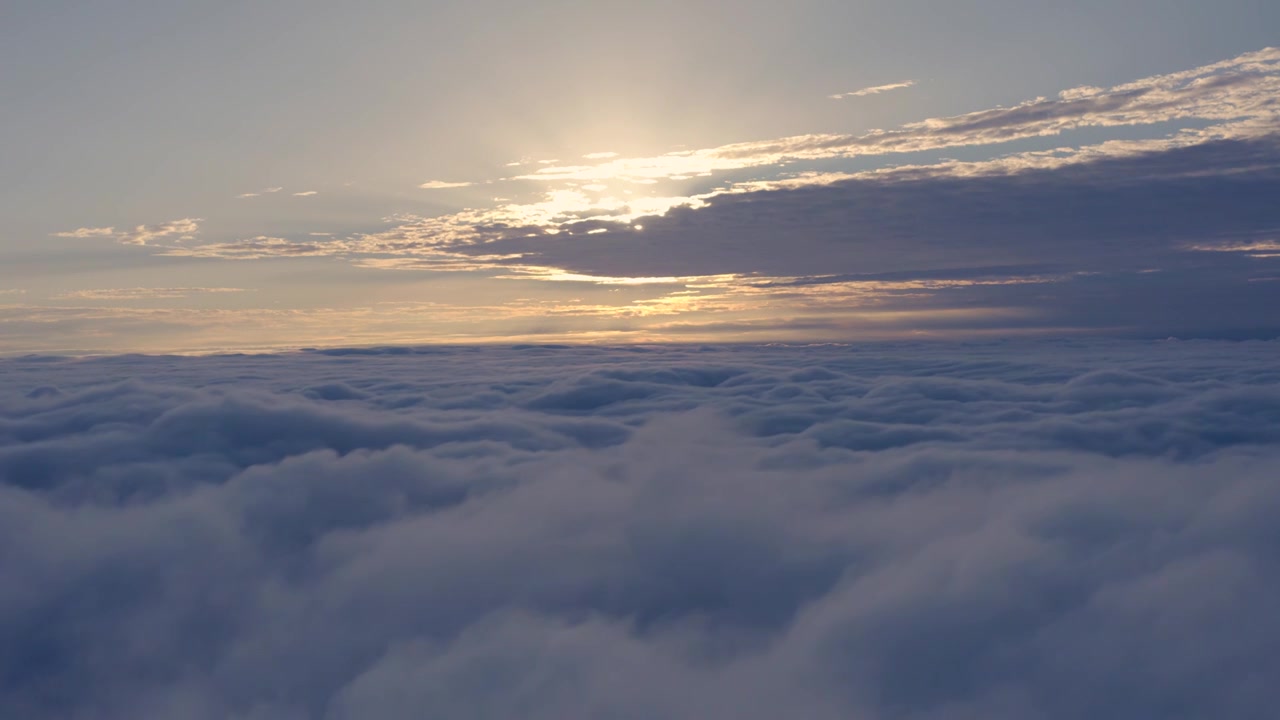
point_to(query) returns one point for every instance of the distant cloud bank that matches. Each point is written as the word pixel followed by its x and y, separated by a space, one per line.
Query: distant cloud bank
pixel 144 293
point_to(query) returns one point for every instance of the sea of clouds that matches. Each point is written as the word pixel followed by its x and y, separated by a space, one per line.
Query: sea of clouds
pixel 1052 529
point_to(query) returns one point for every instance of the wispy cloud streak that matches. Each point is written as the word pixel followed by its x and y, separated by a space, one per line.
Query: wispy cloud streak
pixel 876 90
pixel 144 293
pixel 443 185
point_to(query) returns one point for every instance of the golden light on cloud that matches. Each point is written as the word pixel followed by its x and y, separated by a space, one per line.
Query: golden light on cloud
pixel 443 185
pixel 557 275
pixel 1250 246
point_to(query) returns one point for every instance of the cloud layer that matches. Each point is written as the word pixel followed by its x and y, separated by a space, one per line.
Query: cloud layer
pixel 875 90
pixel 1003 530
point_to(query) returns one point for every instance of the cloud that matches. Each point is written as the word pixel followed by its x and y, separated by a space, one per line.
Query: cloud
pixel 1258 248
pixel 876 90
pixel 142 293
pixel 255 248
pixel 267 191
pixel 183 229
pixel 443 185
pixel 877 233
pixel 944 214
pixel 999 530
pixel 87 232
pixel 306 193
pixel 1231 90
pixel 1125 237
pixel 921 218
pixel 1067 231
pixel 95 327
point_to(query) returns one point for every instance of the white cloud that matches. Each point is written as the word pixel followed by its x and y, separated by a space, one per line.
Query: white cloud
pixel 182 229
pixel 87 232
pixel 873 90
pixel 443 185
pixel 267 191
pixel 306 193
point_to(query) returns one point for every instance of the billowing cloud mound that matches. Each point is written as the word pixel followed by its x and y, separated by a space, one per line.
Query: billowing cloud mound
pixel 1053 530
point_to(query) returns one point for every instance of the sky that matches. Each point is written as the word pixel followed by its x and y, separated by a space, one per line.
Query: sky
pixel 197 176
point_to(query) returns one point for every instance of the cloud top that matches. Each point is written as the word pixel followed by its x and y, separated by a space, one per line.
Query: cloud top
pixel 1003 530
